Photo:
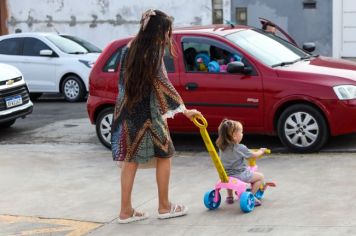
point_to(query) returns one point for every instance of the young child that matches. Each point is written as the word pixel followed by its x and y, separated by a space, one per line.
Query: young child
pixel 233 155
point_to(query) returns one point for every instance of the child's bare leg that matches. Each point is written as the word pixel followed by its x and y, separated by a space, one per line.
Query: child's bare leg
pixel 269 184
pixel 230 197
pixel 256 181
pixel 229 193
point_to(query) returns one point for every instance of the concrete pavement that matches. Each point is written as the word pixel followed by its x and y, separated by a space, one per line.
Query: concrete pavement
pixel 73 189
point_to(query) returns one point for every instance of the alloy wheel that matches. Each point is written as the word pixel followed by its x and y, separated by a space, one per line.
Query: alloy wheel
pixel 301 129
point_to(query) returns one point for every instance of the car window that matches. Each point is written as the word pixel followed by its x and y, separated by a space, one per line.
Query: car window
pixel 10 46
pixel 112 63
pixel 168 61
pixel 265 48
pixel 33 46
pixel 66 45
pixel 209 57
pixel 87 45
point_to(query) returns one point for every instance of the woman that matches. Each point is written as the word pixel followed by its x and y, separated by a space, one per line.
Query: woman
pixel 146 99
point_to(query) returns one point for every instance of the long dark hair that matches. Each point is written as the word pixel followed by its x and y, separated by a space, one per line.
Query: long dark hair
pixel 145 55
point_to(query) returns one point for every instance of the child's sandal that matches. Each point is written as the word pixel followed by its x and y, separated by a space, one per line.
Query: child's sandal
pixel 229 200
pixel 257 202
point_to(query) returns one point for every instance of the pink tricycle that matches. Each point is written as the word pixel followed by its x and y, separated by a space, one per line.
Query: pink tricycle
pixel 212 199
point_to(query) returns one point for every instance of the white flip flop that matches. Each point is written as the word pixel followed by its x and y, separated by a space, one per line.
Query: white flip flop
pixel 133 218
pixel 173 212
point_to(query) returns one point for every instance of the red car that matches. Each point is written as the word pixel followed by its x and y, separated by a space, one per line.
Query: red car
pixel 242 73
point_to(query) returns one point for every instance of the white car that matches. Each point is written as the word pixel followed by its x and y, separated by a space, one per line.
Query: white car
pixel 50 62
pixel 14 96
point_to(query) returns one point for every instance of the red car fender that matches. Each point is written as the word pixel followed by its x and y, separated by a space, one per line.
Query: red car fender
pixel 273 115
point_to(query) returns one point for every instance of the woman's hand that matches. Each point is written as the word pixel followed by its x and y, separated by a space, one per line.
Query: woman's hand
pixel 191 113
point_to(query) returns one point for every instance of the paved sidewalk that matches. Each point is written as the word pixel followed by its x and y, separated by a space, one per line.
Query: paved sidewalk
pixel 50 189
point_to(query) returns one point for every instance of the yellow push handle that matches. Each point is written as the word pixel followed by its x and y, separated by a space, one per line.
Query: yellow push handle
pixel 202 124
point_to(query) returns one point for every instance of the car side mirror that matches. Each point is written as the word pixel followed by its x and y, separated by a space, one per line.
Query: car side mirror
pixel 309 47
pixel 238 67
pixel 46 52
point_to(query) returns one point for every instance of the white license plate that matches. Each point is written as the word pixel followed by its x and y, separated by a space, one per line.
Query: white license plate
pixel 13 101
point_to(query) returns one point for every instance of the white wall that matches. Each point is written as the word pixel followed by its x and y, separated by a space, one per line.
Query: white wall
pixel 344 28
pixel 337 28
pixel 348 28
pixel 100 21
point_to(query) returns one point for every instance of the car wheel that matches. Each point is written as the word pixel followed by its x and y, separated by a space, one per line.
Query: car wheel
pixel 73 89
pixel 103 126
pixel 35 96
pixel 7 124
pixel 302 128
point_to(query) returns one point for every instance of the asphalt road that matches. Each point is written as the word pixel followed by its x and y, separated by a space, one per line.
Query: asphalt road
pixel 65 121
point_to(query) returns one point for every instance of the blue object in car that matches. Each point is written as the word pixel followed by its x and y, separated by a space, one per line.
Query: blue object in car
pixel 204 57
pixel 234 57
pixel 213 66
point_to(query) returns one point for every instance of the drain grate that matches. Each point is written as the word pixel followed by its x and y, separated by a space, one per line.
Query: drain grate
pixel 70 125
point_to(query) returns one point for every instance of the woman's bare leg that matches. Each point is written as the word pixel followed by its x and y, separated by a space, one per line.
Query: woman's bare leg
pixel 163 172
pixel 128 172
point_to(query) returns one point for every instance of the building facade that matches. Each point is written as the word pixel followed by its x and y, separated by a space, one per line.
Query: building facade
pixel 99 21
pixel 331 24
pixel 305 21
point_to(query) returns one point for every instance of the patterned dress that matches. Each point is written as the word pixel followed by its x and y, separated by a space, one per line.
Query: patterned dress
pixel 142 134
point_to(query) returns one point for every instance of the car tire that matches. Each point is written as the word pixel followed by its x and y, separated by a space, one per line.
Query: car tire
pixel 35 96
pixel 103 126
pixel 302 128
pixel 7 124
pixel 73 89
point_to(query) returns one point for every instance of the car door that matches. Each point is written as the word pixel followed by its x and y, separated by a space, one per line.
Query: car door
pixel 279 31
pixel 215 92
pixel 39 71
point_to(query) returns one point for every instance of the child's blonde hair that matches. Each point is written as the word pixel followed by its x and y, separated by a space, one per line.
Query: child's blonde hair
pixel 226 129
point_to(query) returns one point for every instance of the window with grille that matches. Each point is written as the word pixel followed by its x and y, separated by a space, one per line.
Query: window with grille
pixel 217 11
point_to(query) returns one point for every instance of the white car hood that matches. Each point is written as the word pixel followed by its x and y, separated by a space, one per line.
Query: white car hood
pixel 8 72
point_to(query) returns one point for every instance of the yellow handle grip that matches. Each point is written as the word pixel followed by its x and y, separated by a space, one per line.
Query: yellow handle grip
pixel 252 161
pixel 200 122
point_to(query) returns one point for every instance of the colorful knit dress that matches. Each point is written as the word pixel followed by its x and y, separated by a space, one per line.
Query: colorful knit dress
pixel 142 134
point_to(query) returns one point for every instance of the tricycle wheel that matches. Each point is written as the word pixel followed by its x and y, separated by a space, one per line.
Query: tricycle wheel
pixel 209 200
pixel 259 194
pixel 247 202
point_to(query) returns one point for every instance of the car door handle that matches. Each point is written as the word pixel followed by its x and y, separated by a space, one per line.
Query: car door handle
pixel 191 86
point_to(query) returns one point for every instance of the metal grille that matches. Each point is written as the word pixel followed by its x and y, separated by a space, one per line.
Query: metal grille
pixel 20 90
pixel 14 80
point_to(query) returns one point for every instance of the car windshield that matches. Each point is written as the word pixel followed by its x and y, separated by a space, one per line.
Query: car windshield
pixel 87 45
pixel 267 48
pixel 66 45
